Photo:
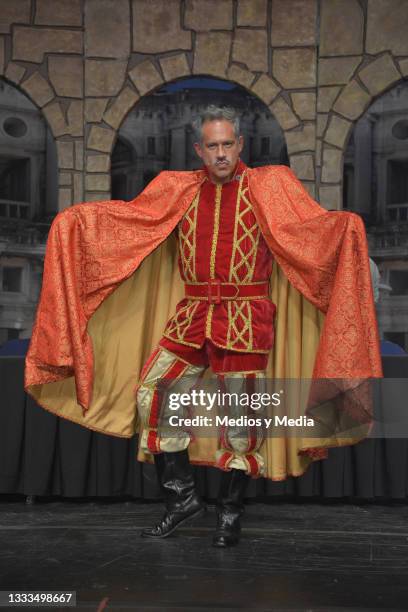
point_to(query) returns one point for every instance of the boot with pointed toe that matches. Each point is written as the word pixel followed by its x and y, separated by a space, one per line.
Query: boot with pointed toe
pixel 229 508
pixel 182 503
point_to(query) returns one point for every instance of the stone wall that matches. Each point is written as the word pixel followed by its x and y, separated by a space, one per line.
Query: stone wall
pixel 316 64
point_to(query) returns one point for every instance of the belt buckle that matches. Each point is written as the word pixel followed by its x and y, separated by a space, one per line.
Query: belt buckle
pixel 217 283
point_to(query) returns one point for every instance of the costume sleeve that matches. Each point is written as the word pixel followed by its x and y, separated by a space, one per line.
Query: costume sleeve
pixel 325 257
pixel 91 248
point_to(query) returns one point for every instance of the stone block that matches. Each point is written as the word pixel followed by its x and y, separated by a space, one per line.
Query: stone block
pixel 30 44
pixel 75 117
pixel 352 101
pixel 293 23
pixel 326 97
pixel 38 89
pixel 146 77
pixel 337 131
pixel 303 166
pixel 250 47
pixel 387 26
pixel 58 12
pixel 104 77
pixel 337 70
pixel 240 75
pixel 65 179
pixel 283 113
pixel 330 196
pixel 212 53
pixel 304 104
pixel 79 155
pixel 265 88
pixel 332 167
pixel 120 107
pixel 78 187
pixel 98 163
pixel 208 15
pixel 252 13
pixel 101 139
pixel 65 150
pixel 175 66
pixel 66 75
pixel 107 28
pixel 56 119
pixel 381 73
pixel 301 140
pixel 403 66
pixel 341 27
pixel 14 72
pixel 318 154
pixel 92 196
pixel 157 27
pixel 321 124
pixel 94 109
pixel 13 11
pixel 64 198
pixel 294 68
pixel 97 182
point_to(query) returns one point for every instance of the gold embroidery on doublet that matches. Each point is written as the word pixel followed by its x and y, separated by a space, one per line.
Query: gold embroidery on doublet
pixel 179 324
pixel 239 335
pixel 239 259
pixel 241 271
pixel 218 193
pixel 187 240
pixel 240 311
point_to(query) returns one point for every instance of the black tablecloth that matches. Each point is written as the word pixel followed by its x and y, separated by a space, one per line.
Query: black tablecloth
pixel 41 454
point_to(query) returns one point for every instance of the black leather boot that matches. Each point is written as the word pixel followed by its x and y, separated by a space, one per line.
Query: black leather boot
pixel 181 500
pixel 229 508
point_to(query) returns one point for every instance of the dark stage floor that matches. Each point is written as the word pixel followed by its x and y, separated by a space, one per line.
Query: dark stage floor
pixel 293 556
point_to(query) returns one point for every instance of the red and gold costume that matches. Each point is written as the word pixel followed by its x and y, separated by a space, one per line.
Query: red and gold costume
pixel 222 253
pixel 111 283
pixel 220 240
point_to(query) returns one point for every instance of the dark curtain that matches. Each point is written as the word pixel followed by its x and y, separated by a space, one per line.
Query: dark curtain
pixel 41 454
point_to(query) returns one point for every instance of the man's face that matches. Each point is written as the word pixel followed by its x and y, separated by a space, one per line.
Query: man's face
pixel 219 149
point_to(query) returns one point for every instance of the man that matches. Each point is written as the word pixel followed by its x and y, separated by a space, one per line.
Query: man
pixel 221 250
pixel 232 223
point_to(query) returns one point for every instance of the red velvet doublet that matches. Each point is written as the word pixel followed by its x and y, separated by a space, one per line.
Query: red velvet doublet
pixel 219 238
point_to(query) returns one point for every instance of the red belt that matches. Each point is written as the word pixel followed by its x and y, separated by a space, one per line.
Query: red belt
pixel 214 291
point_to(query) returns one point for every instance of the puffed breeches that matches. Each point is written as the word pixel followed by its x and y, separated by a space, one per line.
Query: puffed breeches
pixel 173 367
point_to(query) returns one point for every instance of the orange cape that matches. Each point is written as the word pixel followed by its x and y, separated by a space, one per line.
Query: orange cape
pixel 111 281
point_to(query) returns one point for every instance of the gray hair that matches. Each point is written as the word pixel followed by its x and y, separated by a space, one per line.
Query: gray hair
pixel 212 112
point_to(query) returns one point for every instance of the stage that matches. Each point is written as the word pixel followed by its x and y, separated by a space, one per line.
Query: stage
pixel 73 502
pixel 292 556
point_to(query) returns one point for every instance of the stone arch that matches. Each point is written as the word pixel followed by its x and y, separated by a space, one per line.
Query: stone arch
pixel 42 162
pixel 146 79
pixel 155 84
pixel 65 127
pixel 370 82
